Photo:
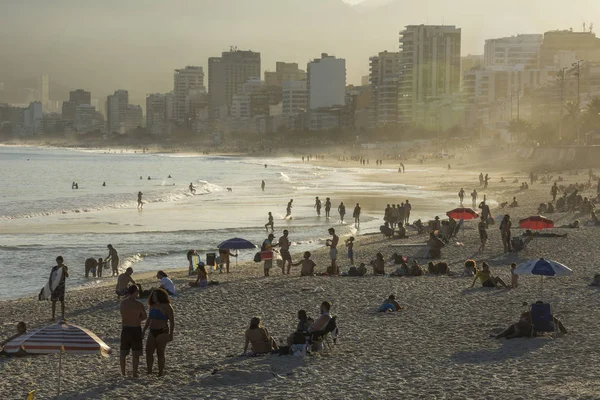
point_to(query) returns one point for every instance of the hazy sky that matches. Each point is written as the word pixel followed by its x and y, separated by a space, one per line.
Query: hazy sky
pixel 105 45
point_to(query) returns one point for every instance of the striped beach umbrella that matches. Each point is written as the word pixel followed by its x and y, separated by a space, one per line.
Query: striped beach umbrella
pixel 59 338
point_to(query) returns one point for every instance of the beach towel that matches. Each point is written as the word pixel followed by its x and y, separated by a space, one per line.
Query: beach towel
pixel 51 285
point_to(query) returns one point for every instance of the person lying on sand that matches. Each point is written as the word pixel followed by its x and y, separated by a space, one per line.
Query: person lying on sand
pixel 486 278
pixel 21 330
pixel 258 338
pixel 390 305
pixel 308 265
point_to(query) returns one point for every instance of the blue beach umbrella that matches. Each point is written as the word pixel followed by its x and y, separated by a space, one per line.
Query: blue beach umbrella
pixel 543 268
pixel 236 244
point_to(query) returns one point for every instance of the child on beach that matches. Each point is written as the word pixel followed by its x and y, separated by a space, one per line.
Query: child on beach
pixel 350 246
pixel 514 278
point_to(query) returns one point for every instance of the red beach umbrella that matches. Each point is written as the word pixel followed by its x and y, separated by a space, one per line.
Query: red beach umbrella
pixel 536 223
pixel 463 213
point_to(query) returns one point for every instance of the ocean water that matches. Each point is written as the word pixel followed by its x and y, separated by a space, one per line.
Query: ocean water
pixel 42 217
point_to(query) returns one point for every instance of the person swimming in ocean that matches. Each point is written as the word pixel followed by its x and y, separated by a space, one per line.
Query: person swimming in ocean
pixel 262 186
pixel 192 187
pixel 149 177
pixel 289 209
pixel 139 201
pixel 103 183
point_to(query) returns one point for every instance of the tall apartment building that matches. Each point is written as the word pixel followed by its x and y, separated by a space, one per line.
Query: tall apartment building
pixel 581 45
pixel 326 82
pixel 429 66
pixel 515 50
pixel 284 72
pixel 156 113
pixel 384 71
pixel 76 98
pixel 226 74
pixel 116 111
pixel 187 80
pixel 45 92
pixel 134 117
pixel 295 97
pixel 85 115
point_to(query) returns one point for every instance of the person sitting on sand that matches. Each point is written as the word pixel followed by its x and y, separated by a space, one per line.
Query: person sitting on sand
pixel 308 265
pixel 360 271
pixel 486 278
pixel 386 230
pixel 123 282
pixel 258 338
pixel 521 328
pixel 435 246
pixel 470 268
pixel 401 231
pixel 514 203
pixel 299 336
pixel 202 279
pixel 415 269
pixel 166 283
pixel 390 304
pixel 378 265
pixel 21 330
pixel 402 270
pixel 440 268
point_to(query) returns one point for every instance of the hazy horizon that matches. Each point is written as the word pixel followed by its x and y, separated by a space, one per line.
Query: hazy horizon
pixel 136 45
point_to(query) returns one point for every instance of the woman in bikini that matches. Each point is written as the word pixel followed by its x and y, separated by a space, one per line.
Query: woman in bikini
pixel 161 323
pixel 258 338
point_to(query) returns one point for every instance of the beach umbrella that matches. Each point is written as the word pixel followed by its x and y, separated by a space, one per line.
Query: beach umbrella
pixel 536 222
pixel 59 338
pixel 464 213
pixel 236 244
pixel 542 268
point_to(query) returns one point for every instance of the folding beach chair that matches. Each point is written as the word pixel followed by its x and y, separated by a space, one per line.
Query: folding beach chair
pixel 542 320
pixel 323 339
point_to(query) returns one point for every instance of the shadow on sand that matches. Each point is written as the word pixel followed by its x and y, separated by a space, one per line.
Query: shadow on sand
pixel 513 348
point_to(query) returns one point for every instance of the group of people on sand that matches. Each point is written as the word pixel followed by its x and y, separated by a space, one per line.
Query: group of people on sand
pixel 307 334
pixel 95 267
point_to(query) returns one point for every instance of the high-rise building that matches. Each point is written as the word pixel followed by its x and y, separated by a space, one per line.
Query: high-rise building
pixel 326 82
pixel 187 80
pixel 226 74
pixel 295 97
pixel 134 117
pixel 156 114
pixel 116 111
pixel 582 46
pixel 284 72
pixel 384 73
pixel 45 91
pixel 85 115
pixel 76 98
pixel 31 123
pixel 429 66
pixel 511 51
pixel 469 62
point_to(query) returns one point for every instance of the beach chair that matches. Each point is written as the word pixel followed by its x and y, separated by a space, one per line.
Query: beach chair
pixel 323 339
pixel 542 320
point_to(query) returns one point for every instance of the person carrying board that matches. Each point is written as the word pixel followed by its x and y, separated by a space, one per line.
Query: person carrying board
pixel 55 288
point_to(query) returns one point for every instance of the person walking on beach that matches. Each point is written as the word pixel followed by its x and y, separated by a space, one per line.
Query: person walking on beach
pixel 140 203
pixel 113 257
pixel 407 208
pixel 160 323
pixel 332 244
pixel 284 246
pixel 461 195
pixel 318 206
pixel 505 226
pixel 485 181
pixel 342 211
pixel 481 179
pixel 132 315
pixel 554 191
pixel 327 207
pixel 356 215
pixel 192 188
pixel 288 209
pixel 474 197
pixel 483 236
pixel 267 247
pixel 270 223
pixel 403 168
pixel 485 211
pixel 58 294
pixel 262 185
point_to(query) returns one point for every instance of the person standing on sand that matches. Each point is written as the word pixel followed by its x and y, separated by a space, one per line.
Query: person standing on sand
pixel 332 244
pixel 407 208
pixel 485 211
pixel 318 206
pixel 288 209
pixel 267 246
pixel 140 203
pixel 113 257
pixel 327 207
pixel 58 294
pixel 342 211
pixel 403 168
pixel 474 197
pixel 356 215
pixel 262 185
pixel 270 223
pixel 400 210
pixel 483 236
pixel 350 246
pixel 554 191
pixel 505 226
pixel 481 179
pixel 160 323
pixel 485 181
pixel 132 337
pixel 461 195
pixel 284 244
pixel 224 255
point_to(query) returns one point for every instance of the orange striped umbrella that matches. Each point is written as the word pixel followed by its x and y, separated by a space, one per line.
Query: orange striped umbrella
pixel 59 338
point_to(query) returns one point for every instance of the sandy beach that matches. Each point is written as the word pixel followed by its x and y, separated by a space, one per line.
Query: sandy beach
pixel 439 347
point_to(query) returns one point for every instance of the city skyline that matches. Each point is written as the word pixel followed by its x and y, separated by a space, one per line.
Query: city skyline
pixel 357 33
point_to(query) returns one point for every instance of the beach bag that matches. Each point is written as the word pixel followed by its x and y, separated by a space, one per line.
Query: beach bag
pixel 266 255
pixel 257 257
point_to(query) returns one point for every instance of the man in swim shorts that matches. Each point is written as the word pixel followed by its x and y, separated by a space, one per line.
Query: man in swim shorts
pixel 132 315
pixel 284 245
pixel 333 270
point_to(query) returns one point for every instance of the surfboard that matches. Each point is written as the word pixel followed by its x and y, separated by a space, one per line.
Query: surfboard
pixel 195 261
pixel 51 285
